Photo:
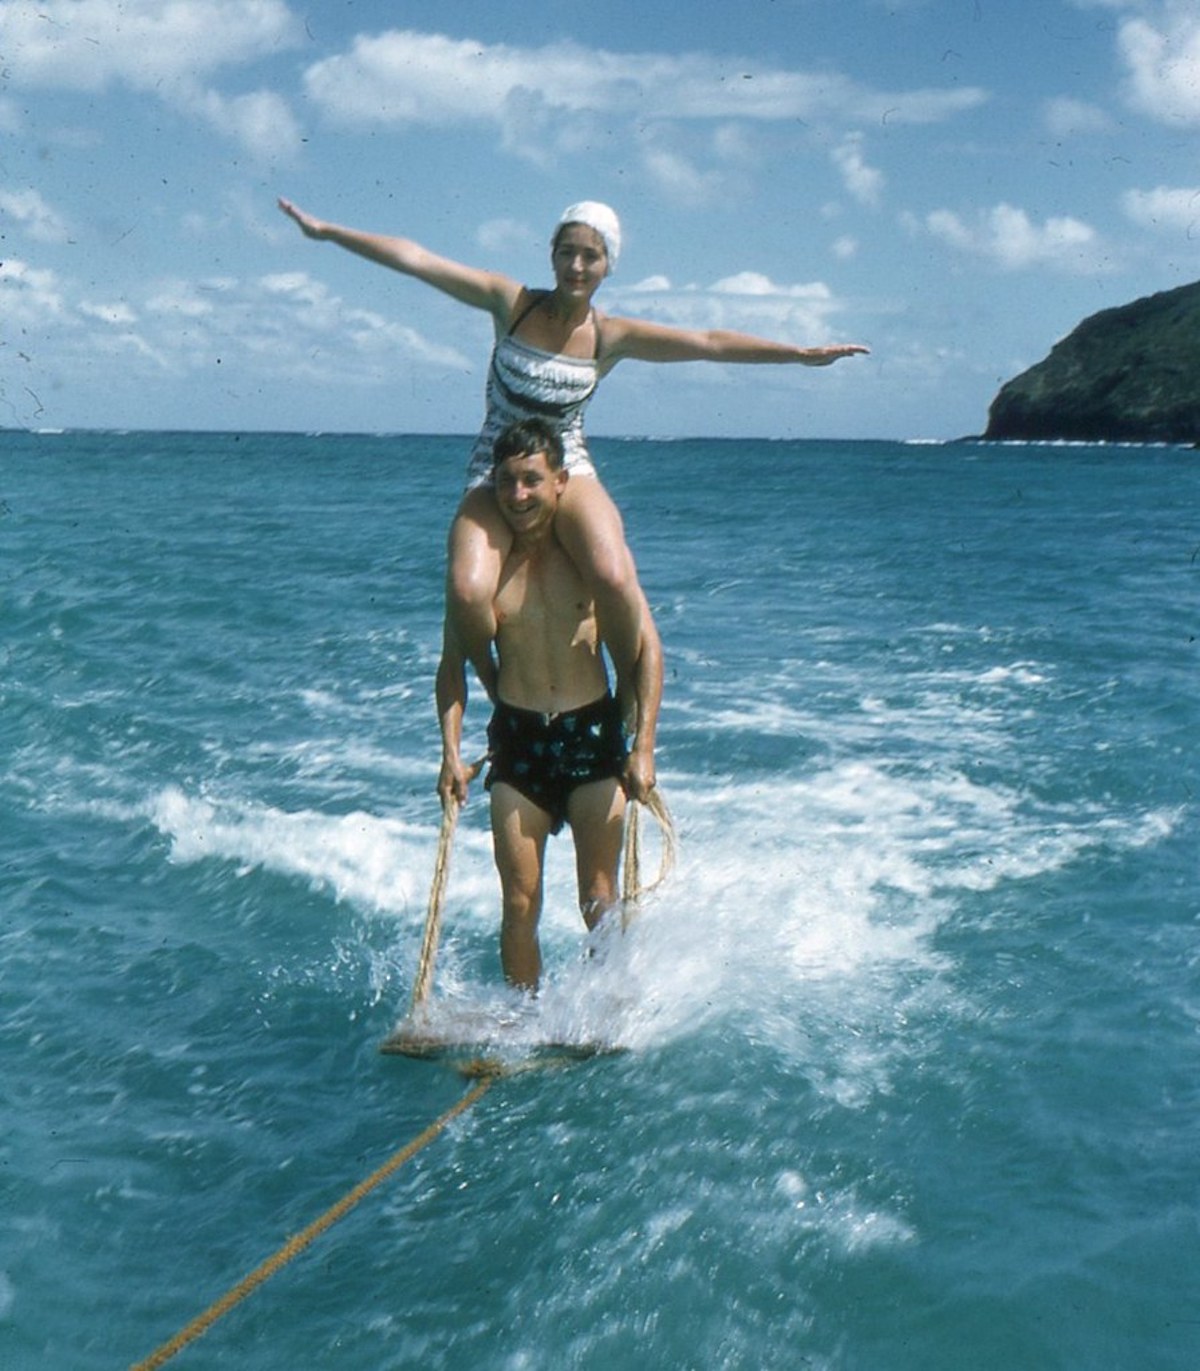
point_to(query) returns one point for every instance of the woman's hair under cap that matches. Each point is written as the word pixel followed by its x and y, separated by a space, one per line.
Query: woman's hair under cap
pixel 599 218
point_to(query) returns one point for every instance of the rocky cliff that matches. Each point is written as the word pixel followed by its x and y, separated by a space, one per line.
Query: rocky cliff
pixel 1130 374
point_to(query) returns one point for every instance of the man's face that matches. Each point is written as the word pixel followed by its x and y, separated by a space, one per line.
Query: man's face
pixel 528 490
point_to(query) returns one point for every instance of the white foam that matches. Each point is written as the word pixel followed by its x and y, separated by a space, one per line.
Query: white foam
pixel 803 913
pixel 378 864
pixel 1018 673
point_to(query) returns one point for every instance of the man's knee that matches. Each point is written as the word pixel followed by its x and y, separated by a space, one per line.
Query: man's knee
pixel 520 897
pixel 520 913
pixel 476 548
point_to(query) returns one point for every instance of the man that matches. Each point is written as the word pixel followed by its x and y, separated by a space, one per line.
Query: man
pixel 557 745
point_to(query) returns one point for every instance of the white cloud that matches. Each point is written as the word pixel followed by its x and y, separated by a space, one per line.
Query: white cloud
pixel 1007 237
pixel 118 314
pixel 747 301
pixel 679 178
pixel 38 220
pixel 300 288
pixel 696 165
pixel 1158 44
pixel 90 44
pixel 650 284
pixel 313 309
pixel 731 144
pixel 504 235
pixel 29 296
pixel 1162 57
pixel 118 343
pixel 844 248
pixel 1165 207
pixel 1067 118
pixel 159 49
pixel 692 119
pixel 284 325
pixel 405 77
pixel 863 182
pixel 261 122
pixel 1125 5
pixel 239 208
pixel 179 300
pixel 755 283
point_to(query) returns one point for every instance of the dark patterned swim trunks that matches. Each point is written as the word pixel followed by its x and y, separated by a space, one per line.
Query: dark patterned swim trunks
pixel 547 756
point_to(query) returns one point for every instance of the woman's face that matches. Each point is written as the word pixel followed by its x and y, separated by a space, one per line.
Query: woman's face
pixel 579 259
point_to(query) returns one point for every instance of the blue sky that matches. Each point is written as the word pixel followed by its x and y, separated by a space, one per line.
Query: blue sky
pixel 955 183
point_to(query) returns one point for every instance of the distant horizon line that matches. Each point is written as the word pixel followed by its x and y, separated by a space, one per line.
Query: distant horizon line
pixel 465 437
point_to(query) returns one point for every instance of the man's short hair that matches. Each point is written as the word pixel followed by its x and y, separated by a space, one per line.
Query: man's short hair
pixel 527 437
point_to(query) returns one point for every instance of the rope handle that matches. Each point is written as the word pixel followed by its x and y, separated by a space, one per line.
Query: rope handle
pixel 437 894
pixel 632 889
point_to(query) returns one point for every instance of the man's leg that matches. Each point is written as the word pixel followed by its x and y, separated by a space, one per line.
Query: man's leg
pixel 519 832
pixel 596 812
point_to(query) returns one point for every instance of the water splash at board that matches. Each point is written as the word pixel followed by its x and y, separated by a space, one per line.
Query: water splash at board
pixel 804 914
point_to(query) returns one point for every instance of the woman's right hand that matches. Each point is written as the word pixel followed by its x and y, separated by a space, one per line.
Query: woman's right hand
pixel 310 227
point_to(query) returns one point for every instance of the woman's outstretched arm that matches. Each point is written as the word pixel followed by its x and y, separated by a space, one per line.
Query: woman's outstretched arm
pixel 647 342
pixel 488 290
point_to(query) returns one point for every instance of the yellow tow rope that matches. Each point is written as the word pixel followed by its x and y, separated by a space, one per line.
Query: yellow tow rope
pixel 294 1246
pixel 487 1072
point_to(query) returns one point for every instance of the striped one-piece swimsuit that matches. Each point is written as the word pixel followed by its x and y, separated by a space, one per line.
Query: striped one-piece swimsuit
pixel 525 382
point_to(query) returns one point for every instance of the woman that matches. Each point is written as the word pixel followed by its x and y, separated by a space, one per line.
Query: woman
pixel 552 348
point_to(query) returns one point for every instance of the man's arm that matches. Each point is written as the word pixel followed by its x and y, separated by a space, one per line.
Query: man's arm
pixel 451 695
pixel 640 774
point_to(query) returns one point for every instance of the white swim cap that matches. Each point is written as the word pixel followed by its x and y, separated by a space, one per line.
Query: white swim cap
pixel 599 218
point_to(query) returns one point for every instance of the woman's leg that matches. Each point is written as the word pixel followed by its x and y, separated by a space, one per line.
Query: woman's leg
pixel 478 544
pixel 588 525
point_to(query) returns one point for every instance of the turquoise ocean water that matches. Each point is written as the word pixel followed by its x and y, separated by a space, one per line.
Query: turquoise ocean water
pixel 912 1076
